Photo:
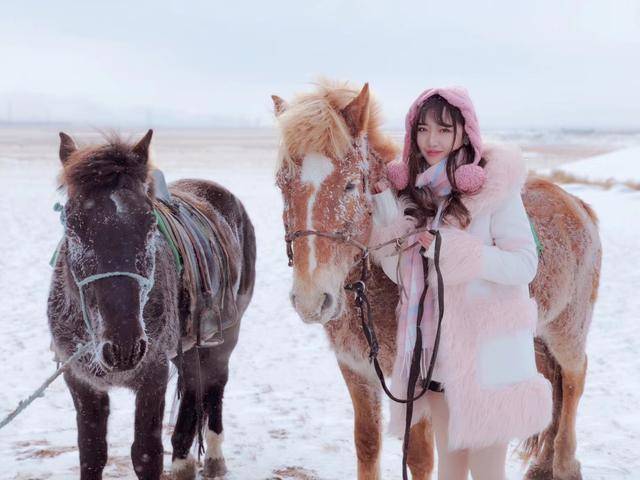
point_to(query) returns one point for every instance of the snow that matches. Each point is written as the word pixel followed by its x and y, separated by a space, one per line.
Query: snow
pixel 287 412
pixel 620 166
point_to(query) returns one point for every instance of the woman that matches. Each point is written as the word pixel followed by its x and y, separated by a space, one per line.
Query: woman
pixel 487 390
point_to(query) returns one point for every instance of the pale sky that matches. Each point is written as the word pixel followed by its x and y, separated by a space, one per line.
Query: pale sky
pixel 572 63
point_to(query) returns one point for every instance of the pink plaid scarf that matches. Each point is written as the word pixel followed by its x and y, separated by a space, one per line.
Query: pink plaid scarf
pixel 413 283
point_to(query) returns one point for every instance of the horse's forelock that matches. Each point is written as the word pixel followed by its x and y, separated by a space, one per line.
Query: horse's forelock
pixel 313 123
pixel 103 166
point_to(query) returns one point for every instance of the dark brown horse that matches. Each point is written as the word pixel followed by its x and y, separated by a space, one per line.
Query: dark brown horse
pixel 332 151
pixel 116 288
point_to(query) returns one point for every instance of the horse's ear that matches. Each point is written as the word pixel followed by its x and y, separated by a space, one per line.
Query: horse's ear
pixel 356 114
pixel 142 147
pixel 67 147
pixel 279 105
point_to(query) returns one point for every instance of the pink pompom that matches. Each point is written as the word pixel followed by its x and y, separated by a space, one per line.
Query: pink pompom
pixel 469 178
pixel 398 174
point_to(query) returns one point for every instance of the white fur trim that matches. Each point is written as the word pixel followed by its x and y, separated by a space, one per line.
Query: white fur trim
pixel 505 173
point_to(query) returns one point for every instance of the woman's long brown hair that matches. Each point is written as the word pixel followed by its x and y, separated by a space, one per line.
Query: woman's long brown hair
pixel 424 199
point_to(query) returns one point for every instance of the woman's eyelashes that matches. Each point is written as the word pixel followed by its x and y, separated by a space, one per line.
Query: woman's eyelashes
pixel 441 130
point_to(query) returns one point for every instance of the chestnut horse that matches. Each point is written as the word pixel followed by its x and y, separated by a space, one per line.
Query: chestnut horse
pixel 331 152
pixel 117 290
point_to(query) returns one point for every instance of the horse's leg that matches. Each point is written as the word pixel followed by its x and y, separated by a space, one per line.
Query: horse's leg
pixel 565 464
pixel 365 397
pixel 147 451
pixel 183 465
pixel 542 447
pixel 92 413
pixel 214 464
pixel 566 340
pixel 420 455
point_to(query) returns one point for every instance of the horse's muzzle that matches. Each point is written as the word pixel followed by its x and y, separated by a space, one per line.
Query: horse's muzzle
pixel 120 356
pixel 320 308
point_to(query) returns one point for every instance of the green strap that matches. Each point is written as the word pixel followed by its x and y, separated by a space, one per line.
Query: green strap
pixel 539 245
pixel 162 226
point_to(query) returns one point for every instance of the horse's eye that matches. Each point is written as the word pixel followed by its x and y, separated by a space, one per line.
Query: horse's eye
pixel 350 186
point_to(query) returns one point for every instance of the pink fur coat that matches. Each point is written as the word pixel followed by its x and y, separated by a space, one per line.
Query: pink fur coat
pixel 486 358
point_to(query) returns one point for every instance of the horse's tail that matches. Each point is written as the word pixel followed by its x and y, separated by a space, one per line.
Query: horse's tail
pixel 550 368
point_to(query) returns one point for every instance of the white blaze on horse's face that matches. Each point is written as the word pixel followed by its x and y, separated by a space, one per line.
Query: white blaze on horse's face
pixel 326 195
pixel 315 169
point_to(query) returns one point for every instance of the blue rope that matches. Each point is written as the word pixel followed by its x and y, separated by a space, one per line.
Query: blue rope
pixel 23 404
pixel 145 286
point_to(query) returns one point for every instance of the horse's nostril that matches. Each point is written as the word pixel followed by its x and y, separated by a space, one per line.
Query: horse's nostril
pixel 327 302
pixel 108 354
pixel 292 297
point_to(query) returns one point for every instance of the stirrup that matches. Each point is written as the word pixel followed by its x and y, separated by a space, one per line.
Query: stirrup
pixel 215 340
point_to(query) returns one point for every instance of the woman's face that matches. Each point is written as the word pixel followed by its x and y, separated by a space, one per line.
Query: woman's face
pixel 435 141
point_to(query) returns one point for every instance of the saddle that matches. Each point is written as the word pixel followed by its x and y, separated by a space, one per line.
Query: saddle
pixel 203 263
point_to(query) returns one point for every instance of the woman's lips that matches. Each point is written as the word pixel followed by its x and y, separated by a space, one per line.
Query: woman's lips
pixel 433 153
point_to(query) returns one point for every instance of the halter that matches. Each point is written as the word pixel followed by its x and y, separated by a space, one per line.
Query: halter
pixel 145 283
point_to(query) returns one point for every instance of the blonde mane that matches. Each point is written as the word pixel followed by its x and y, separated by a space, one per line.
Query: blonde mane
pixel 313 123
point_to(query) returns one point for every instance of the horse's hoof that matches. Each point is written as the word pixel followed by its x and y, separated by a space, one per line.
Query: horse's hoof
pixel 214 468
pixel 539 472
pixel 567 471
pixel 184 468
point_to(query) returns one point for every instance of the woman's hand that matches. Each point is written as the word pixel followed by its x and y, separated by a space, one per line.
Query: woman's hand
pixel 381 185
pixel 425 239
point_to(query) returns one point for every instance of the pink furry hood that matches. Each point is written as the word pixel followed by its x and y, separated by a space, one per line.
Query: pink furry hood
pixel 398 170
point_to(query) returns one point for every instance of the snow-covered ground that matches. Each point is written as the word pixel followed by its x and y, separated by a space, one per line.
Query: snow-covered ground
pixel 619 166
pixel 287 412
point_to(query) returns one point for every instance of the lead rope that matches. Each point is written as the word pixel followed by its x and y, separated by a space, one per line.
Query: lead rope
pixel 364 308
pixel 23 404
